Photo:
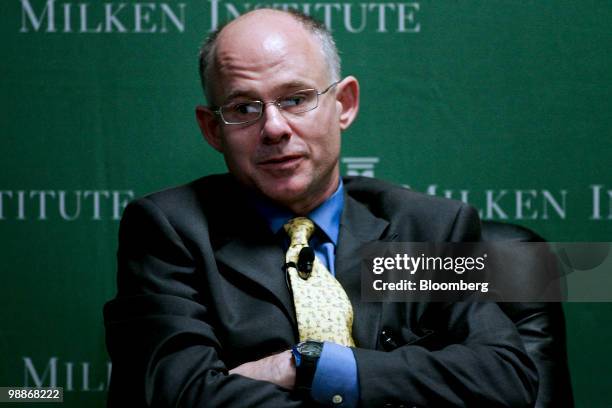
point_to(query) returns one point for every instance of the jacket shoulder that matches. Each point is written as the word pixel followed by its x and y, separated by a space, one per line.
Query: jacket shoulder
pixel 419 216
pixel 186 205
pixel 383 194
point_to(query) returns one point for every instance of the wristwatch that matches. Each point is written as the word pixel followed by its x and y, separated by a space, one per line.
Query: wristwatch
pixel 306 355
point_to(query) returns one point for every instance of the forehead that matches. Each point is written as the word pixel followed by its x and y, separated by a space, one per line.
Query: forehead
pixel 264 53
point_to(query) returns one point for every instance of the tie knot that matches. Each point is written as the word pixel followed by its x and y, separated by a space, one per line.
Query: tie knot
pixel 299 230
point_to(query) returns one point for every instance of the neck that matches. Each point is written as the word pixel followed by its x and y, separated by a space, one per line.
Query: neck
pixel 313 200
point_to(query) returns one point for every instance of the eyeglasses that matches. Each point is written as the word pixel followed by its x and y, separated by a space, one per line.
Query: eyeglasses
pixel 243 112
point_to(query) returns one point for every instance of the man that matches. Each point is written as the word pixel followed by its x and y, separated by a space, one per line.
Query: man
pixel 208 311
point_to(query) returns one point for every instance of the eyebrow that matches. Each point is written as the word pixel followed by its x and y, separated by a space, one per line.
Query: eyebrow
pixel 286 87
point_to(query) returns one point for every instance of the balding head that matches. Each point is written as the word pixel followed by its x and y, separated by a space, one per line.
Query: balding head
pixel 261 34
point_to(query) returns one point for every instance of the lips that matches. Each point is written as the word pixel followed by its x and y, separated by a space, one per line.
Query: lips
pixel 281 162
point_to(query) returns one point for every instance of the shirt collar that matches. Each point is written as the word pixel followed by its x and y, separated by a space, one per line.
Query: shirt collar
pixel 326 216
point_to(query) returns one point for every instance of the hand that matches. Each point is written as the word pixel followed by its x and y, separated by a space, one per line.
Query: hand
pixel 277 368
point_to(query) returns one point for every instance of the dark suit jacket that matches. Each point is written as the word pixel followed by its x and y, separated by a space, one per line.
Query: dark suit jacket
pixel 201 290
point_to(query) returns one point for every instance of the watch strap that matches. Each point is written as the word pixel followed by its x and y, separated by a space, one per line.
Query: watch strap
pixel 306 366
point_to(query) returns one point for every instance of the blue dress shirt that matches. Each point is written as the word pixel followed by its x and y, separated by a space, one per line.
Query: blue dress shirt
pixel 335 380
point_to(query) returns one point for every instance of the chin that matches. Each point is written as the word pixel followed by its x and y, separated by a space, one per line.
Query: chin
pixel 284 192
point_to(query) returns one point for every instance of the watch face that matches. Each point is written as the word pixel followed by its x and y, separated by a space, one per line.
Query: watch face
pixel 310 348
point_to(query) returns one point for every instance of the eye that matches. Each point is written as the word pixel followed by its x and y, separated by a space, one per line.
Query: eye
pixel 294 100
pixel 245 108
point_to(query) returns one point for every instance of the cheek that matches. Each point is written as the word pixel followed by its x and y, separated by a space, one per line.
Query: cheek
pixel 325 152
pixel 328 141
pixel 236 151
pixel 324 134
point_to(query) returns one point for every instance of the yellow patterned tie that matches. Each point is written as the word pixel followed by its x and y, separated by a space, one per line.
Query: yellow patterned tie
pixel 322 308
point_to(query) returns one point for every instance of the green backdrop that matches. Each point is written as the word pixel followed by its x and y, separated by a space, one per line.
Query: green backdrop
pixel 505 104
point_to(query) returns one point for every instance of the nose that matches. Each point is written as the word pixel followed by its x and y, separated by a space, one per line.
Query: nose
pixel 275 127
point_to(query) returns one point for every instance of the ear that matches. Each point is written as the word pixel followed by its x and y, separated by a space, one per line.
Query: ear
pixel 210 127
pixel 347 95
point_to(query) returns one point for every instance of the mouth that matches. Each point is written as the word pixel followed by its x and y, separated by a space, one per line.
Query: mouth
pixel 281 162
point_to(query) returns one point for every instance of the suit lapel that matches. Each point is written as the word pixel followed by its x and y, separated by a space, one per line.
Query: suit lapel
pixel 245 244
pixel 358 226
pixel 261 262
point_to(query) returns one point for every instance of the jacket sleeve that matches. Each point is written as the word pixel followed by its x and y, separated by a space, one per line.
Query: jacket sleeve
pixel 472 357
pixel 463 354
pixel 160 332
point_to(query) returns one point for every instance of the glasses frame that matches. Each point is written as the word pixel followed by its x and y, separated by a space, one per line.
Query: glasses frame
pixel 219 110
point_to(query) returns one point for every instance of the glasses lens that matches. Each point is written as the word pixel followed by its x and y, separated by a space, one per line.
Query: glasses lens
pixel 242 112
pixel 299 102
